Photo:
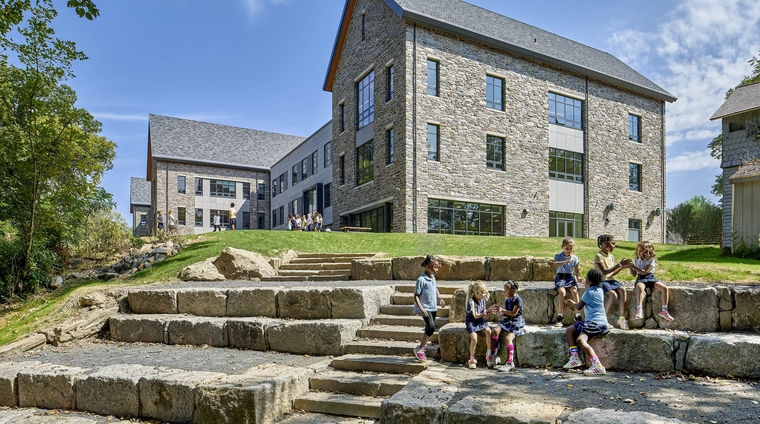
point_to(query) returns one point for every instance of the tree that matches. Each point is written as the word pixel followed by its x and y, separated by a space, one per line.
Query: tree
pixel 52 157
pixel 696 220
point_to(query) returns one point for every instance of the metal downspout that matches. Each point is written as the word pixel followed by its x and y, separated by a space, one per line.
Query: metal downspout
pixel 414 131
pixel 663 215
pixel 586 208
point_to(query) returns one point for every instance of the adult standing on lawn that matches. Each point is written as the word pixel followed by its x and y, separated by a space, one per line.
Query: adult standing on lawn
pixel 233 216
pixel 171 222
pixel 217 222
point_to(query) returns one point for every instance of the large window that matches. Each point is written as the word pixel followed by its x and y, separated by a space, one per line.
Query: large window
pixel 494 92
pixel 261 191
pixel 326 197
pixel 389 146
pixel 219 188
pixel 452 217
pixel 304 168
pixel 634 128
pixel 181 216
pixel 389 83
pixel 224 216
pixel 274 187
pixel 314 162
pixel 281 215
pixel 294 175
pixel 198 217
pixel 328 154
pixel 634 230
pixel 198 186
pixel 181 184
pixel 342 170
pixel 563 224
pixel 365 93
pixel 432 77
pixel 634 177
pixel 310 202
pixel 433 142
pixel 342 117
pixel 565 165
pixel 494 152
pixel 283 183
pixel 565 111
pixel 246 190
pixel 293 207
pixel 378 219
pixel 365 164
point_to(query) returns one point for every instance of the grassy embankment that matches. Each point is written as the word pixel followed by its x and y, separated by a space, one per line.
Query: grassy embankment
pixel 675 263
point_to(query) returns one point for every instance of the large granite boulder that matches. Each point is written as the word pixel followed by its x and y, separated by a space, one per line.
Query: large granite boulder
pixel 153 301
pixel 249 302
pixel 358 302
pixel 461 268
pixel 693 309
pixel 304 303
pixel 457 309
pixel 112 390
pixel 542 269
pixel 538 306
pixel 243 265
pixel 608 416
pixel 639 351
pixel 724 355
pixel 509 268
pixel 372 269
pixel 407 267
pixel 168 394
pixel 311 337
pixel 746 314
pixel 202 302
pixel 201 271
pixel 49 386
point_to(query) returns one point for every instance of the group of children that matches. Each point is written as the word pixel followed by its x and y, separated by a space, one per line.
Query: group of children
pixel 305 222
pixel 599 283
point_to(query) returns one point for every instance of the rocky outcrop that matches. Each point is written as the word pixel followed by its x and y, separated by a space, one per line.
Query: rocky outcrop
pixel 243 265
pixel 201 271
pixel 136 260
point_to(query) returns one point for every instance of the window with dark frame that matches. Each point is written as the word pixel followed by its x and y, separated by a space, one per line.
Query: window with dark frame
pixel 634 177
pixel 274 188
pixel 224 217
pixel 198 217
pixel 433 142
pixel 246 220
pixel 326 198
pixel 389 83
pixel 365 94
pixel 432 77
pixel 328 154
pixel 281 215
pixel 494 92
pixel 262 219
pixel 494 152
pixel 365 164
pixel 294 175
pixel 736 126
pixel 342 170
pixel 342 116
pixel 220 188
pixel 634 128
pixel 282 183
pixel 304 168
pixel 181 216
pixel 261 191
pixel 246 190
pixel 563 224
pixel 565 111
pixel 315 162
pixel 634 230
pixel 454 217
pixel 181 184
pixel 389 146
pixel 198 186
pixel 565 165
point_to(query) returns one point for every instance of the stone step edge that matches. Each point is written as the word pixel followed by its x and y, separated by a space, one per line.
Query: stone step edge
pixel 340 404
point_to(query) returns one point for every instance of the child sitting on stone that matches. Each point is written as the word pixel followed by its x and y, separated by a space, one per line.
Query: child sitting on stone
pixel 566 281
pixel 475 320
pixel 643 269
pixel 595 324
pixel 513 324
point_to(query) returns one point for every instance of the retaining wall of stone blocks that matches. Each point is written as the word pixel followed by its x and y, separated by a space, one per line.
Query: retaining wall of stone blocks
pixel 523 268
pixel 719 354
pixel 259 395
pixel 694 309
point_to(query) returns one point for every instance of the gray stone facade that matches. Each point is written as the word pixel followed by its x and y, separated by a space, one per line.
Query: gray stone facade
pixel 464 121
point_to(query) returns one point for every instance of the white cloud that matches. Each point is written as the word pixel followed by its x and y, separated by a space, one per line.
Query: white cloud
pixel 254 7
pixel 699 51
pixel 692 161
pixel 105 116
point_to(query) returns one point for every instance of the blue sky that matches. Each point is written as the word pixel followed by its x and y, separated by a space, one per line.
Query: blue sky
pixel 261 64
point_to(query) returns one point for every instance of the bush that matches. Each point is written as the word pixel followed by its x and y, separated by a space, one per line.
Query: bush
pixel 743 250
pixel 43 263
pixel 104 233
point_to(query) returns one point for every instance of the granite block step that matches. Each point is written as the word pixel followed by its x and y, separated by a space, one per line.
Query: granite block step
pixel 393 332
pixel 406 320
pixel 379 363
pixel 340 404
pixel 408 310
pixel 387 347
pixel 356 383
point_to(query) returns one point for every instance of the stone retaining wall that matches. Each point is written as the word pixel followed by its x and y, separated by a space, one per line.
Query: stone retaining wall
pixel 694 309
pixel 275 302
pixel 522 268
pixel 259 395
pixel 639 351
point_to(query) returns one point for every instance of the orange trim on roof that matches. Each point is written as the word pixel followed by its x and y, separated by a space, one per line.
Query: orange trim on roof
pixel 339 45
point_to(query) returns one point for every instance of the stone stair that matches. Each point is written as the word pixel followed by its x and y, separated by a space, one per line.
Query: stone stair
pixel 318 267
pixel 377 364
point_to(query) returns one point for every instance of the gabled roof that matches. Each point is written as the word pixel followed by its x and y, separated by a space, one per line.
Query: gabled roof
pixel 487 27
pixel 744 98
pixel 139 192
pixel 184 140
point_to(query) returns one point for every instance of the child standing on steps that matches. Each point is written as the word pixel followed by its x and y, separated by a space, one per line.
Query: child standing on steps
pixel 568 275
pixel 595 325
pixel 643 269
pixel 426 296
pixel 475 320
pixel 513 324
pixel 604 261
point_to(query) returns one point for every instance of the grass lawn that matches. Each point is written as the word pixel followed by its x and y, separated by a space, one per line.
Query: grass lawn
pixel 675 263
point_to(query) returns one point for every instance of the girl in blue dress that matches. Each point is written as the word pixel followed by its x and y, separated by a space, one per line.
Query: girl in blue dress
pixel 475 320
pixel 513 324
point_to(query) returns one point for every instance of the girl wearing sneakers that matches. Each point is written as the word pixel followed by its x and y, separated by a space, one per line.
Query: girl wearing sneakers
pixel 568 274
pixel 513 324
pixel 604 261
pixel 426 296
pixel 595 325
pixel 643 269
pixel 475 320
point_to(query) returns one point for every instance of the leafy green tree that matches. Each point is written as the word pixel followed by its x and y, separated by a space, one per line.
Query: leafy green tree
pixel 696 220
pixel 52 157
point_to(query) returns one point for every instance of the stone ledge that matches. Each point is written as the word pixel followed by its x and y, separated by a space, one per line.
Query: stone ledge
pixel 522 268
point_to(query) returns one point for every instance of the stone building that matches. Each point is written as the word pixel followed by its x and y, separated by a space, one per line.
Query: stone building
pixel 450 118
pixel 198 168
pixel 140 207
pixel 302 179
pixel 740 116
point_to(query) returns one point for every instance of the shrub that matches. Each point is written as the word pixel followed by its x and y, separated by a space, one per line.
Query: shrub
pixel 43 264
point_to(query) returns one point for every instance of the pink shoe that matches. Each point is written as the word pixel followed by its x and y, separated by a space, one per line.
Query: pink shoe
pixel 666 315
pixel 419 353
pixel 472 363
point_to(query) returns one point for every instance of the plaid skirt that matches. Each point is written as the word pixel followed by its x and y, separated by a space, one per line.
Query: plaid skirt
pixel 511 326
pixel 473 326
pixel 564 280
pixel 592 329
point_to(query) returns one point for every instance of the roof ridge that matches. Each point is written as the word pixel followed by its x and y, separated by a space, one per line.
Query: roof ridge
pixel 223 125
pixel 746 85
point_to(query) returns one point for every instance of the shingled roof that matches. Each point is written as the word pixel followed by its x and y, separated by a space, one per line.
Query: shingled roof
pixel 490 28
pixel 185 140
pixel 139 192
pixel 743 99
pixel 747 171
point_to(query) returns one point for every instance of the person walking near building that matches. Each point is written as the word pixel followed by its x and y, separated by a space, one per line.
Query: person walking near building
pixel 217 222
pixel 233 216
pixel 171 223
pixel 160 221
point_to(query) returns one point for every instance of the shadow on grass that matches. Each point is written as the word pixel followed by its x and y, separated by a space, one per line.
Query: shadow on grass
pixel 705 254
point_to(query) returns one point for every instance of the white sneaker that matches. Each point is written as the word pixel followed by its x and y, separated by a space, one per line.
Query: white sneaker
pixel 472 364
pixel 639 313
pixel 508 367
pixel 597 368
pixel 622 323
pixel 574 362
